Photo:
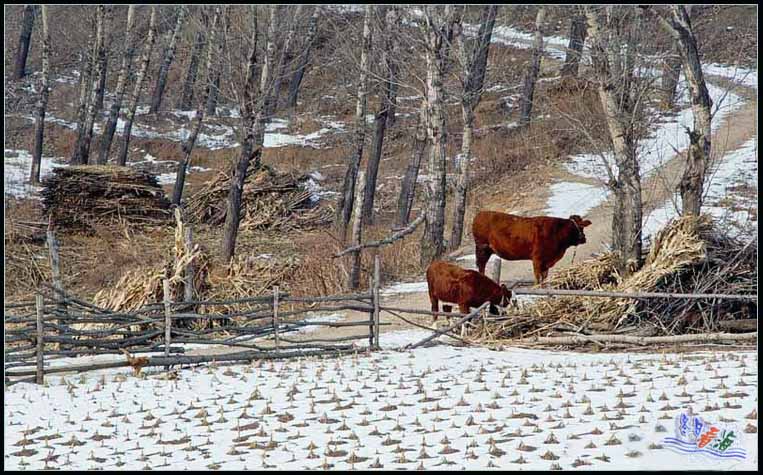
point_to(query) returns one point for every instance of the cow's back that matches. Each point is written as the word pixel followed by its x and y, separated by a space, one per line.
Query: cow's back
pixel 443 280
pixel 509 236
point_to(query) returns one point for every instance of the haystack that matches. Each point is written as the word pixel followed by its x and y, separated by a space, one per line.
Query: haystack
pixel 689 255
pixel 79 197
pixel 269 201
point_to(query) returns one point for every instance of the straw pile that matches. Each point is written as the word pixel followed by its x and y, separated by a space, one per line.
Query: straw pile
pixel 689 255
pixel 80 197
pixel 269 201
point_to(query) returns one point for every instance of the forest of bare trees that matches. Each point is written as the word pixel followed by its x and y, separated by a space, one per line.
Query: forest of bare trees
pixel 256 58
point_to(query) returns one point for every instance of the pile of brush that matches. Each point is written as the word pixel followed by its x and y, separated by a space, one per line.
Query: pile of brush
pixel 269 201
pixel 689 255
pixel 79 197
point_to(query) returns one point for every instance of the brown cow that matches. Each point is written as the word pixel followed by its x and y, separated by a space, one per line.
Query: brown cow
pixel 542 239
pixel 466 288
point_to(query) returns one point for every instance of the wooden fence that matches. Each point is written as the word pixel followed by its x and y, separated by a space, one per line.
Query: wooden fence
pixel 57 325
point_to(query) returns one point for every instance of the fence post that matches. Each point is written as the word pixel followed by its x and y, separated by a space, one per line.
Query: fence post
pixel 167 319
pixel 377 278
pixel 55 270
pixel 189 269
pixel 40 340
pixel 371 321
pixel 275 315
pixel 496 274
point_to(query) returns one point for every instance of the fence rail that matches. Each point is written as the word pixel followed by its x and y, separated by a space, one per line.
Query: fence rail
pixel 59 325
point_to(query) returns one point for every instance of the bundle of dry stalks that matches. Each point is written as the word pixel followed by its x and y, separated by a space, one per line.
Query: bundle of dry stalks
pixel 269 201
pixel 78 197
pixel 689 255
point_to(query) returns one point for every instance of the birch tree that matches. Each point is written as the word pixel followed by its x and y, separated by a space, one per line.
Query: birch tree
pixel 671 70
pixel 169 56
pixel 110 125
pixel 678 24
pixel 578 32
pixel 472 55
pixel 614 42
pixel 99 57
pixel 531 76
pixel 42 104
pixel 186 97
pixel 144 61
pixel 190 142
pixel 345 203
pixel 303 59
pixel 22 52
pixel 85 92
pixel 438 29
pixel 388 77
pixel 408 186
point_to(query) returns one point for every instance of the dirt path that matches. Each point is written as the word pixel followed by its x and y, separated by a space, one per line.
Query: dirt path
pixel 737 128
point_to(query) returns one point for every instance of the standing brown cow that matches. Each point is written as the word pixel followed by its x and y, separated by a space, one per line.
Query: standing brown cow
pixel 541 239
pixel 466 288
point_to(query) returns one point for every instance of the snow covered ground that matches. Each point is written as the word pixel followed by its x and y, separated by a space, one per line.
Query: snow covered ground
pixel 17 168
pixel 439 408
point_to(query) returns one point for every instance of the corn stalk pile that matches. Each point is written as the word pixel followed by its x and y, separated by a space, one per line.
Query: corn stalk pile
pixel 79 197
pixel 689 255
pixel 269 201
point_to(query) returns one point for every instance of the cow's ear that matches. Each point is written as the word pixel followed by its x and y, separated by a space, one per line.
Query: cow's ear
pixel 585 223
pixel 575 217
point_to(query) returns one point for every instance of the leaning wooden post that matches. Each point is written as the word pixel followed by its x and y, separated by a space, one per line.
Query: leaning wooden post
pixel 40 340
pixel 167 319
pixel 496 274
pixel 55 269
pixel 377 278
pixel 275 315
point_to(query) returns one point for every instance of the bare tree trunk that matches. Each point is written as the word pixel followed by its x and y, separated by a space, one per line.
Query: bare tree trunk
pixel 408 187
pixel 345 204
pixel 100 91
pixel 186 98
pixel 474 60
pixel 578 33
pixel 27 23
pixel 111 123
pixel 692 181
pixel 615 82
pixel 357 230
pixel 42 104
pixel 99 56
pixel 304 56
pixel 177 191
pixel 169 56
pixel 528 88
pixel 381 118
pixel 213 76
pixel 85 91
pixel 438 30
pixel 285 54
pixel 671 71
pixel 145 59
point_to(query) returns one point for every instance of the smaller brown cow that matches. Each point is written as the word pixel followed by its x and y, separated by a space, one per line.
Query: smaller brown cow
pixel 466 288
pixel 542 239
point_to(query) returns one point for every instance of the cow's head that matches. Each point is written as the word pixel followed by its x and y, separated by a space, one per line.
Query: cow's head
pixel 580 224
pixel 505 295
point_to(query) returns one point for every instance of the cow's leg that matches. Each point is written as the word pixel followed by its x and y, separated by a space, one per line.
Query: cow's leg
pixel 435 305
pixel 482 254
pixel 537 272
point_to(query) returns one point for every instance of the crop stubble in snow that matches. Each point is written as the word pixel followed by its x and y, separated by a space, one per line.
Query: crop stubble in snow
pixel 438 408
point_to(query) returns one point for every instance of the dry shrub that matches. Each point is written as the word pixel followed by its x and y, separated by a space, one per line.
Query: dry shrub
pixel 319 273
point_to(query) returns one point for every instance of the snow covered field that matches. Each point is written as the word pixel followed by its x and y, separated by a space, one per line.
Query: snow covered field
pixel 436 408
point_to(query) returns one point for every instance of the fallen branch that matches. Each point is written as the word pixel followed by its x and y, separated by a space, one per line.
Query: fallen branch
pixel 427 328
pixel 400 234
pixel 633 295
pixel 450 328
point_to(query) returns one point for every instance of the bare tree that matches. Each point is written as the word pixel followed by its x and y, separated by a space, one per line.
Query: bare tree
pixel 110 126
pixel 473 58
pixel 295 16
pixel 531 76
pixel 100 89
pixel 42 104
pixel 169 55
pixel 190 142
pixel 578 33
pixel 186 97
pixel 678 24
pixel 27 23
pixel 408 186
pixel 671 70
pixel 144 61
pixel 388 75
pixel 85 90
pixel 345 204
pixel 614 41
pixel 303 59
pixel 213 75
pixel 99 57
pixel 438 27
